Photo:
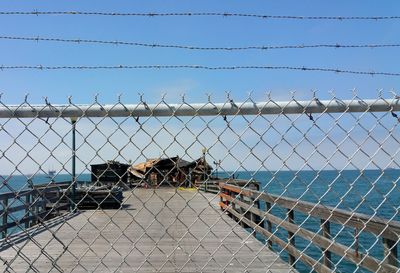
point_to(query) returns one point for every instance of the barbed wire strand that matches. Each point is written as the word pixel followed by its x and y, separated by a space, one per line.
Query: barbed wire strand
pixel 203 67
pixel 177 46
pixel 188 14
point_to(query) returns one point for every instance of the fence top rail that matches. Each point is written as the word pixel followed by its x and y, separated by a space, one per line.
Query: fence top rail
pixel 198 109
pixel 387 228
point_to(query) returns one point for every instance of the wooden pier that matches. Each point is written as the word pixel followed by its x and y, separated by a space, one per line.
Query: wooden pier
pixel 186 230
pixel 157 230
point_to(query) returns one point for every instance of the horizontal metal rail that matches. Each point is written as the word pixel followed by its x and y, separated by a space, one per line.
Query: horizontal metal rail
pixel 199 109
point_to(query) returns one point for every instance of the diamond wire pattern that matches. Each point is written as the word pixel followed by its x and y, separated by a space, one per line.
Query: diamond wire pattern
pixel 357 119
pixel 284 160
pixel 27 153
pixel 228 153
pixel 304 159
pixel 88 220
pixel 50 231
pixel 252 232
pixel 249 123
pixel 239 142
pixel 199 241
pixel 218 137
pixel 156 244
pixel 163 126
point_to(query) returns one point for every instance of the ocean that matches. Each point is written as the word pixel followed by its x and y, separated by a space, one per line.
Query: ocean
pixel 372 192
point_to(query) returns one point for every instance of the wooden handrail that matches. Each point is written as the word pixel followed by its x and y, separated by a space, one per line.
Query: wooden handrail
pixel 244 211
pixel 35 202
pixel 41 188
pixel 366 261
pixel 376 225
pixel 318 267
pixel 8 195
pixel 26 219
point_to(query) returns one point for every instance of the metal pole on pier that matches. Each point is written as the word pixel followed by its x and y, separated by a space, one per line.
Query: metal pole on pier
pixel 73 179
pixel 217 164
pixel 204 178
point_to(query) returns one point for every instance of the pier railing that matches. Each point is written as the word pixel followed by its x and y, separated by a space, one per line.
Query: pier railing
pixel 213 186
pixel 233 201
pixel 26 208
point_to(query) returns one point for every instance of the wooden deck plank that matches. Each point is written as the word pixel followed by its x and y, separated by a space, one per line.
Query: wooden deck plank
pixel 159 230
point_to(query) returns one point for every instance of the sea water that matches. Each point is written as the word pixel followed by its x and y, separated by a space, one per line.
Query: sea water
pixel 372 192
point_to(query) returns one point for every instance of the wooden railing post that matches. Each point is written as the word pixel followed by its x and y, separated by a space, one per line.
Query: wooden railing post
pixel 259 220
pixel 326 232
pixel 253 217
pixel 27 210
pixel 241 210
pixel 291 240
pixel 58 200
pixel 228 203
pixel 269 224
pixel 390 252
pixel 221 200
pixel 45 198
pixel 35 209
pixel 232 194
pixel 5 217
pixel 236 208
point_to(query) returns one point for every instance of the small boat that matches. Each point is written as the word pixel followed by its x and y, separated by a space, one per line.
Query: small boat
pixel 51 174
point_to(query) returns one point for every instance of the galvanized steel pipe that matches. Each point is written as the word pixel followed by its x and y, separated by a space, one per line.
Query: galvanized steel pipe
pixel 199 109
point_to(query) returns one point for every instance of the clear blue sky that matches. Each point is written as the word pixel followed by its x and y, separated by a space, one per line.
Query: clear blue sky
pixel 201 31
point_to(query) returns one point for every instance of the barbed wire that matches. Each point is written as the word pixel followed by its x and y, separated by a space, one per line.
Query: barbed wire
pixel 203 67
pixel 188 14
pixel 177 46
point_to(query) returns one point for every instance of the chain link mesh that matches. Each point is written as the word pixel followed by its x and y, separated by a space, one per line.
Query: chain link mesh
pixel 228 191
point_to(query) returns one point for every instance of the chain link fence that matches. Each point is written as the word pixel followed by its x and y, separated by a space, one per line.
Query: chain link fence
pixel 273 186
